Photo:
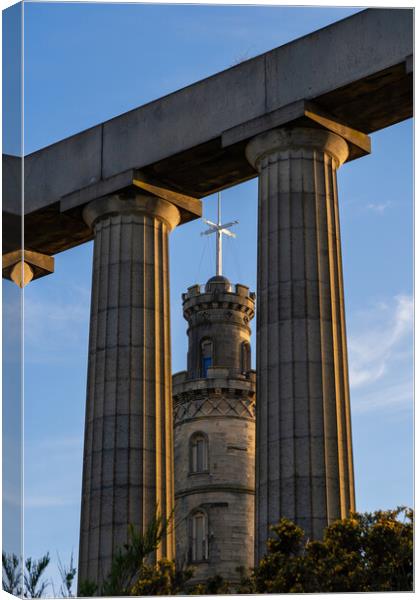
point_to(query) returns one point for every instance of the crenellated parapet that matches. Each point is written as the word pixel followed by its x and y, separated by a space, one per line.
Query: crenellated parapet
pixel 218 302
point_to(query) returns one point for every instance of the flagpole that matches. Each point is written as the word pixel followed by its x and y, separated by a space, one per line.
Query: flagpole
pixel 218 239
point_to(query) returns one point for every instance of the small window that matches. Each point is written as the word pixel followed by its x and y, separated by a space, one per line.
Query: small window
pixel 198 453
pixel 206 356
pixel 245 357
pixel 199 537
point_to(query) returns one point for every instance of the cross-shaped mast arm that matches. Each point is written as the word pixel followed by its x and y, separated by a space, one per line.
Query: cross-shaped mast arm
pixel 228 233
pixel 219 230
pixel 226 225
pixel 210 223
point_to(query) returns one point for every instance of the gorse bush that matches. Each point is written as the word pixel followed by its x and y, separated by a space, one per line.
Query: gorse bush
pixel 371 552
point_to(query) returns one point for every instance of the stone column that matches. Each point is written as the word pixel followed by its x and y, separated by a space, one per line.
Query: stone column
pixel 128 452
pixel 304 451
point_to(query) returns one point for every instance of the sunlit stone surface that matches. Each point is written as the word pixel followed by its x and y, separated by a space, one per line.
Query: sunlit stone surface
pixel 304 465
pixel 128 454
pixel 21 274
pixel 214 402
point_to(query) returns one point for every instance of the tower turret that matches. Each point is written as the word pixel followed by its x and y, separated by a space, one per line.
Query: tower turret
pixel 214 433
pixel 218 332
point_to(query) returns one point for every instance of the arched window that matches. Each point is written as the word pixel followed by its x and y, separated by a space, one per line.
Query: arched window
pixel 245 357
pixel 199 450
pixel 199 550
pixel 206 356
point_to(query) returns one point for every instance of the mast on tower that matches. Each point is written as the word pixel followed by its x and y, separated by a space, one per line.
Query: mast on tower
pixel 219 230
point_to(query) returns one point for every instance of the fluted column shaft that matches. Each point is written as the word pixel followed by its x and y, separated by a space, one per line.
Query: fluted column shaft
pixel 304 449
pixel 128 452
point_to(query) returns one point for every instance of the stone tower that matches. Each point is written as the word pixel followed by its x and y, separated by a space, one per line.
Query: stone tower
pixel 214 433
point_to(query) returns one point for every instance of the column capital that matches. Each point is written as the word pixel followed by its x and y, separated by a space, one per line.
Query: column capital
pixel 296 138
pixel 143 203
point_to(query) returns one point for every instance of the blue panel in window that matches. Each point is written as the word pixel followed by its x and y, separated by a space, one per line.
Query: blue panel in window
pixel 205 365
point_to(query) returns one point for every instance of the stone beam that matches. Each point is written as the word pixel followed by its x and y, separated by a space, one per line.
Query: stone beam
pixel 301 114
pixel 358 71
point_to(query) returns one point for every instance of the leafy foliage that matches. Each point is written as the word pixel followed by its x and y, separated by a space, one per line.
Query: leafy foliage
pixel 67 575
pixel 34 570
pixel 30 582
pixel 12 574
pixel 371 552
pixel 163 579
pixel 214 585
pixel 132 574
pixel 87 589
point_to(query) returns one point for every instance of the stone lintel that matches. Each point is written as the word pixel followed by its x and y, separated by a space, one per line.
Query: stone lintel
pixel 303 113
pixel 99 189
pixel 39 264
pixel 190 208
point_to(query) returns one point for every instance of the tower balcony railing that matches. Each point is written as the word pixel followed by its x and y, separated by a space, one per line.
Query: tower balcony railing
pixel 215 373
pixel 198 289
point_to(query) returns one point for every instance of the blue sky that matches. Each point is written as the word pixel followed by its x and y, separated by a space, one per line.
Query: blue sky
pixel 87 63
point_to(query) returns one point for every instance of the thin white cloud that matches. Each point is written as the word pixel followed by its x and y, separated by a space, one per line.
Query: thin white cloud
pixel 396 397
pixel 378 207
pixel 380 345
pixel 384 329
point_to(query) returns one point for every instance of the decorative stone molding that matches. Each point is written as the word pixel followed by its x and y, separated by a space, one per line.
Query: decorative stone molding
pixel 186 407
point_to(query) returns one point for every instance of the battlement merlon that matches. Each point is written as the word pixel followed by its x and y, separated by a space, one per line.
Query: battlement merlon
pixel 217 295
